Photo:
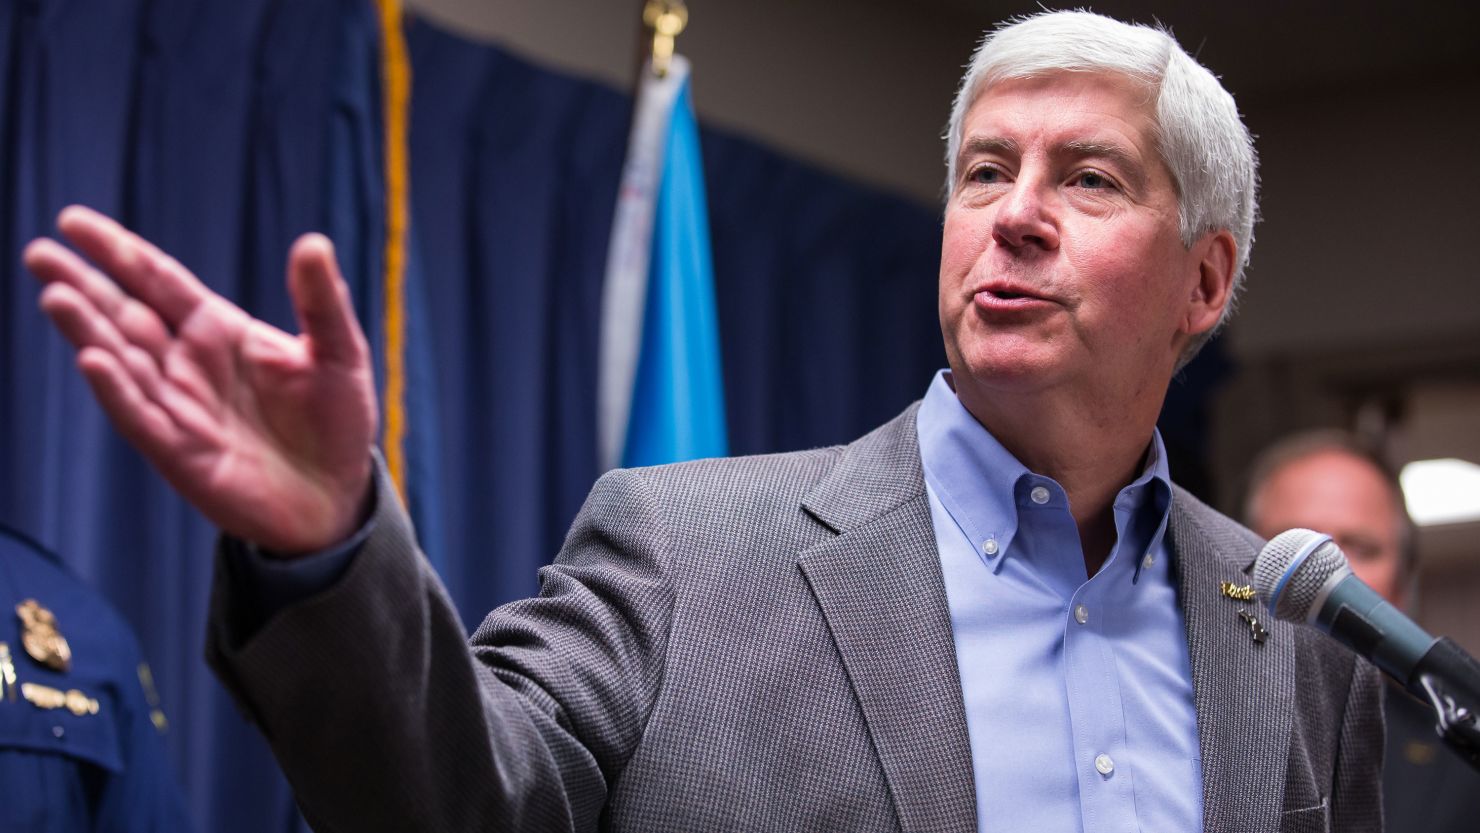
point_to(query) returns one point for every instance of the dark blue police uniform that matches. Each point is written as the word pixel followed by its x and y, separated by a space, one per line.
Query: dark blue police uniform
pixel 80 746
pixel 1425 787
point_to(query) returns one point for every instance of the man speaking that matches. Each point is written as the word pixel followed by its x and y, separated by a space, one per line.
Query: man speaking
pixel 995 612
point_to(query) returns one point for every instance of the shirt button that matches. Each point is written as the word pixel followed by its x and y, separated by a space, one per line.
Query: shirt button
pixel 990 547
pixel 1081 614
pixel 1039 495
pixel 1150 559
pixel 1104 765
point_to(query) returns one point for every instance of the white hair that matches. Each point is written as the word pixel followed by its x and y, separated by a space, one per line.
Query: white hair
pixel 1199 133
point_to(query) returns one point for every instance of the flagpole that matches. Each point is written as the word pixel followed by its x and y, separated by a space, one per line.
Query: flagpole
pixel 666 19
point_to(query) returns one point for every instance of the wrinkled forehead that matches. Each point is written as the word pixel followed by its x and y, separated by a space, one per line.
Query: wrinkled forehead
pixel 1140 93
pixel 1110 111
pixel 1146 89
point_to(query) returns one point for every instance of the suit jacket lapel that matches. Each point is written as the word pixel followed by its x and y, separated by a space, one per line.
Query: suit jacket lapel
pixel 1244 690
pixel 880 588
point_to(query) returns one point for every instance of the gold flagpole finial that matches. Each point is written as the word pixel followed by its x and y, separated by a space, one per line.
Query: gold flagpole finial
pixel 667 18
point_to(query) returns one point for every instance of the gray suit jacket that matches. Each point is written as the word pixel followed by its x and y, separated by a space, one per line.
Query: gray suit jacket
pixel 749 644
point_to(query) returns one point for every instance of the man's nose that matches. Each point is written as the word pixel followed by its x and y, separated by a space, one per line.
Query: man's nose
pixel 1025 217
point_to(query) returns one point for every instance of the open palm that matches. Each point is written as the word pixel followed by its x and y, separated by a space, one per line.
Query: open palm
pixel 267 433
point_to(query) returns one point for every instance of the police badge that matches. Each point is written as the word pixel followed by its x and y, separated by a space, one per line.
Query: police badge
pixel 41 638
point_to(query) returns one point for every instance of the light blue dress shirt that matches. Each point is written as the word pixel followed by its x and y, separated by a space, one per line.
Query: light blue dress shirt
pixel 1078 688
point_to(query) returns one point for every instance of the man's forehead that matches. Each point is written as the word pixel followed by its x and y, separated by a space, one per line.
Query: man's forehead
pixel 1339 462
pixel 1335 475
pixel 1079 114
pixel 1067 93
pixel 1140 90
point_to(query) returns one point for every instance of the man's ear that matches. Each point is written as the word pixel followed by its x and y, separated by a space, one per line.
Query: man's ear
pixel 1212 290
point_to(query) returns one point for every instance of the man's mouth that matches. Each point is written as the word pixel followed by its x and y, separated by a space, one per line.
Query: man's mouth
pixel 1011 293
pixel 1009 299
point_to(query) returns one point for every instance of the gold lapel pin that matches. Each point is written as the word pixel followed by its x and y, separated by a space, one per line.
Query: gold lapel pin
pixel 1237 592
pixel 41 638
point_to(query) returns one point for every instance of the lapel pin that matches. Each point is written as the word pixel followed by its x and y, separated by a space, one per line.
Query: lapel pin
pixel 1256 630
pixel 1237 592
pixel 41 638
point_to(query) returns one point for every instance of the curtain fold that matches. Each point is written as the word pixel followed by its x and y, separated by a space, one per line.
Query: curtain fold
pixel 221 131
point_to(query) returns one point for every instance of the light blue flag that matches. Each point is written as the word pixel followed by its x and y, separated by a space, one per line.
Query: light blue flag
pixel 662 387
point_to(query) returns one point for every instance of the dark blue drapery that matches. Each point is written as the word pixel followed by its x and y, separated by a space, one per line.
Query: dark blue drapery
pixel 223 130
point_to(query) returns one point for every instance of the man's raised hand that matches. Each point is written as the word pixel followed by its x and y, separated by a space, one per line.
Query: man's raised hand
pixel 268 434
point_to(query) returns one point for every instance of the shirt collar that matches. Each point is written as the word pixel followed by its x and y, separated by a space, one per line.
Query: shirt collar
pixel 979 482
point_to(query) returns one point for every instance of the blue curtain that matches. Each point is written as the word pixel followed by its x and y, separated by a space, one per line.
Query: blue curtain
pixel 223 130
pixel 220 131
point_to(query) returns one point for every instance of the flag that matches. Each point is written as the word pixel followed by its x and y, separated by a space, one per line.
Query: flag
pixel 661 393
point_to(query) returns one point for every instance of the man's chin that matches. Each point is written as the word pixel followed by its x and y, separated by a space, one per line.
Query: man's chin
pixel 1007 371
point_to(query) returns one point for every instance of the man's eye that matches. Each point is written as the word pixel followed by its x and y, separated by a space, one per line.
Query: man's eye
pixel 985 175
pixel 1361 549
pixel 1090 179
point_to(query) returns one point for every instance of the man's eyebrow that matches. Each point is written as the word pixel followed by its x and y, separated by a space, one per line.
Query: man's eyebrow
pixel 978 145
pixel 1127 163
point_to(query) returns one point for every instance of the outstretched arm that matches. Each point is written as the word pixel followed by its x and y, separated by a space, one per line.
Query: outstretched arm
pixel 380 715
pixel 266 433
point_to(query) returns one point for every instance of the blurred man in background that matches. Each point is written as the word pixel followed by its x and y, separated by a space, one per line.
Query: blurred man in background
pixel 1331 482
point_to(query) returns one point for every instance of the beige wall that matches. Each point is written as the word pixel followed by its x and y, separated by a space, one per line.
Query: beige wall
pixel 1370 226
pixel 864 92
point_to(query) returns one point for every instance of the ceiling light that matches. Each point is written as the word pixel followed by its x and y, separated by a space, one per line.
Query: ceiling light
pixel 1442 491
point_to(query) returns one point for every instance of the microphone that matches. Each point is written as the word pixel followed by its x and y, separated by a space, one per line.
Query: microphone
pixel 1302 576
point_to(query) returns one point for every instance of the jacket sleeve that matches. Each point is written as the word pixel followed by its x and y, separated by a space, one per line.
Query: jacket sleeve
pixel 384 718
pixel 1356 795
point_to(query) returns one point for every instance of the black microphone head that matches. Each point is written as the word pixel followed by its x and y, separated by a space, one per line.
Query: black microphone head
pixel 1291 570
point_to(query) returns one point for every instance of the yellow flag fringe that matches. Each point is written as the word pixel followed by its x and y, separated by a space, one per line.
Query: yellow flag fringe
pixel 396 89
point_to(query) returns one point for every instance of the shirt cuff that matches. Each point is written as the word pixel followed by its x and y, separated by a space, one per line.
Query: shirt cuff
pixel 276 583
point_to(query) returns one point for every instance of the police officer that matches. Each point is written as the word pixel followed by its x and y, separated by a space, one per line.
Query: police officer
pixel 80 746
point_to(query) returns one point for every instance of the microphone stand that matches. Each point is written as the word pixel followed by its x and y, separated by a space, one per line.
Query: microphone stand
pixel 1453 701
